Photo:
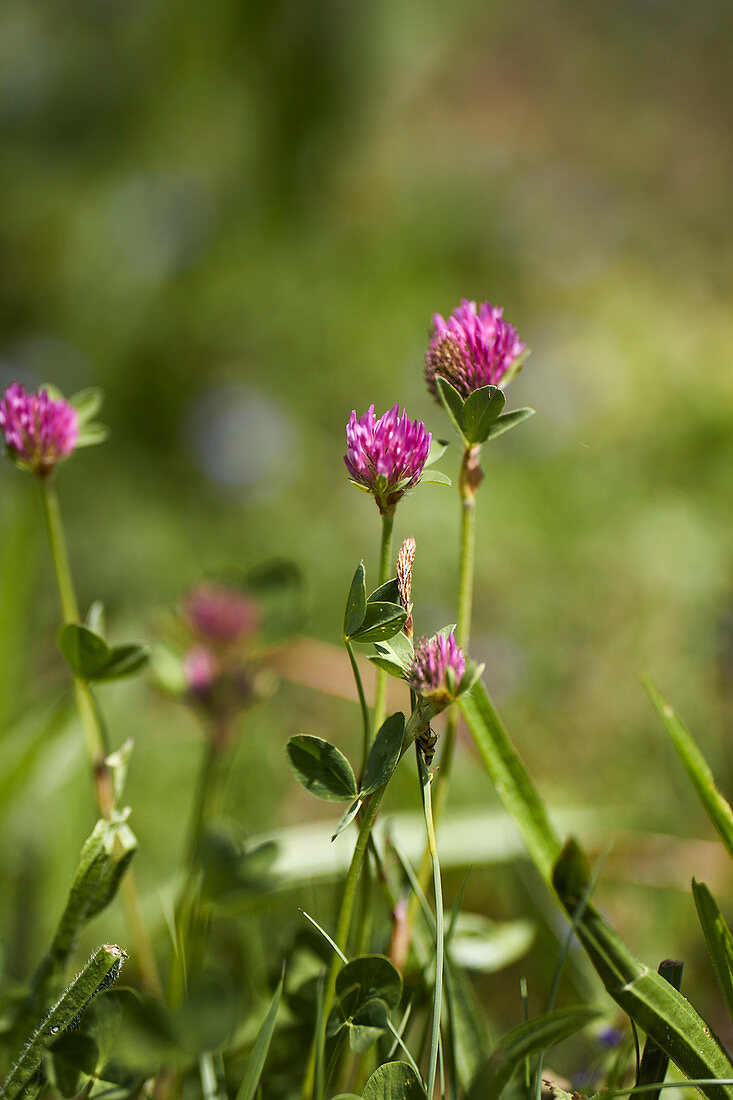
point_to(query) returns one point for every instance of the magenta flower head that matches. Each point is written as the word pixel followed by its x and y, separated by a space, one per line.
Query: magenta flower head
pixel 221 614
pixel 474 348
pixel 386 457
pixel 439 672
pixel 38 431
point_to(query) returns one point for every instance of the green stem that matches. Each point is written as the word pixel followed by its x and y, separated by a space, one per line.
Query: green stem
pixel 366 725
pixel 95 735
pixel 189 923
pixel 466 570
pixel 385 567
pixel 425 783
pixel 344 922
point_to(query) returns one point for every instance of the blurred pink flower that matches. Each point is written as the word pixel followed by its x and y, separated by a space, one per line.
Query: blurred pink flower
pixel 38 431
pixel 221 614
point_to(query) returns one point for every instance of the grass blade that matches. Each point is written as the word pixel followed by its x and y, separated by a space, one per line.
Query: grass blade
pixel 651 1002
pixel 654 1062
pixel 716 807
pixel 718 939
pixel 511 779
pixel 256 1063
pixel 525 1039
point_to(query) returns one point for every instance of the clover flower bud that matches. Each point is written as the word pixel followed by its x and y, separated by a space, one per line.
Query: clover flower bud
pixel 200 671
pixel 38 431
pixel 221 614
pixel 475 347
pixel 437 670
pixel 386 457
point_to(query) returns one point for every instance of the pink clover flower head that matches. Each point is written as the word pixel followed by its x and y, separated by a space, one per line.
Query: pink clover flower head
pixel 38 431
pixel 200 670
pixel 386 457
pixel 475 347
pixel 437 669
pixel 221 614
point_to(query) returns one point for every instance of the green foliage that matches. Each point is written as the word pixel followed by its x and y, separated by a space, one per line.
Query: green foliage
pixel 718 939
pixel 384 754
pixel 90 658
pixel 525 1039
pixel 250 1081
pixel 321 768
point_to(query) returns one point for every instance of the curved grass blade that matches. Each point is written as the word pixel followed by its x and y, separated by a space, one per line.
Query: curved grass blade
pixel 718 939
pixel 511 779
pixel 256 1063
pixel 651 1002
pixel 716 807
pixel 523 1040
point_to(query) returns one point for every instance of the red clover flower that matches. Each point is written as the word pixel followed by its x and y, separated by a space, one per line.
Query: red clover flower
pixel 475 347
pixel 386 457
pixel 437 670
pixel 221 614
pixel 38 431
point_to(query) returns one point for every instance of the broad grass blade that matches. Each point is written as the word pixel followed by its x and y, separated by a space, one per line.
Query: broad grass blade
pixel 511 779
pixel 651 1002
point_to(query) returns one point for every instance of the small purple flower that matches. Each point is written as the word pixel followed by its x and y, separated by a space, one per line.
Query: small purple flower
pixel 38 431
pixel 386 457
pixel 437 669
pixel 475 347
pixel 221 614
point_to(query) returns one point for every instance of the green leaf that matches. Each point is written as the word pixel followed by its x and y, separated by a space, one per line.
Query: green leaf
pixel 438 447
pixel 347 817
pixel 394 1081
pixel 124 660
pixel 87 403
pixel 389 666
pixel 355 602
pixel 526 1039
pixel 714 804
pixel 90 658
pixel 384 754
pixel 434 477
pixel 481 409
pixel 467 1030
pixel 367 1024
pixel 96 619
pixel 74 1055
pixel 452 403
pixel 399 648
pixel 381 622
pixel 84 651
pixel 91 434
pixel 718 939
pixel 511 779
pixel 321 768
pixel 367 977
pixel 652 1003
pixel 256 1063
pixel 388 592
pixel 102 863
pixel 508 421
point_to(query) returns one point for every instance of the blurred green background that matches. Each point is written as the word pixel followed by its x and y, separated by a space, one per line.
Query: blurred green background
pixel 238 220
